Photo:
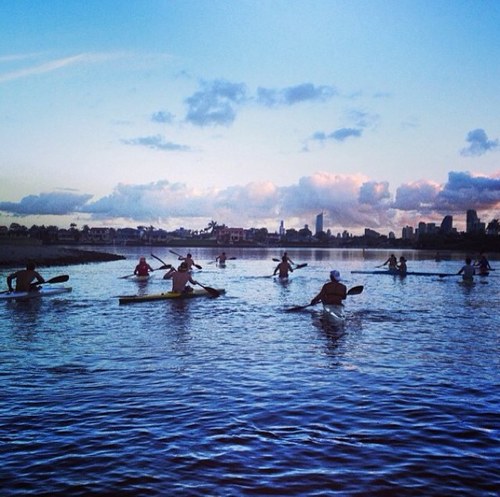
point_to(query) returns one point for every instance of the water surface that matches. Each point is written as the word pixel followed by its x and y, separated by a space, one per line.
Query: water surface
pixel 235 397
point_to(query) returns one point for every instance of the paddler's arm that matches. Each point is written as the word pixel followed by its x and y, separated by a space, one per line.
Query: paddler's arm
pixel 9 281
pixel 318 298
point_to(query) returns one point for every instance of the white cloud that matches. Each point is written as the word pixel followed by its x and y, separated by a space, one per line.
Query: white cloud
pixel 348 201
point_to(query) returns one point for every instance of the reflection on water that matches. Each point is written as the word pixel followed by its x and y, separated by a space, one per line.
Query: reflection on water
pixel 235 396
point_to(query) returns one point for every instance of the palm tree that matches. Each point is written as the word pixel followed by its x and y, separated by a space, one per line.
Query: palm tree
pixel 212 225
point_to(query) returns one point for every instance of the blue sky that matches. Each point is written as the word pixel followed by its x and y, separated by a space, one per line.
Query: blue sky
pixel 173 113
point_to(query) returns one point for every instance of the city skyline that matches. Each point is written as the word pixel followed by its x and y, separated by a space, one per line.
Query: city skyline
pixel 473 225
pixel 160 113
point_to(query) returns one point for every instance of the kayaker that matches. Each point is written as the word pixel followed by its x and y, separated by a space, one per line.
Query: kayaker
pixel 402 265
pixel 468 270
pixel 143 268
pixel 392 261
pixel 222 258
pixel 332 292
pixel 285 255
pixel 25 278
pixel 483 264
pixel 180 278
pixel 189 261
pixel 283 267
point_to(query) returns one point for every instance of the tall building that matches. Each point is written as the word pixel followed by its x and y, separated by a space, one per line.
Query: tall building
pixel 319 223
pixel 282 230
pixel 407 233
pixel 473 223
pixel 447 225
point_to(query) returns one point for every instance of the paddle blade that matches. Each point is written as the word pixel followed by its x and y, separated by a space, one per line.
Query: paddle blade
pixel 58 279
pixel 355 290
pixel 299 266
pixel 212 291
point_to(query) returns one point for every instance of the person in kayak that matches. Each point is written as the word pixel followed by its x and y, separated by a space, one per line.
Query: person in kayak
pixel 332 292
pixel 483 264
pixel 25 278
pixel 143 268
pixel 180 278
pixel 189 261
pixel 402 265
pixel 283 267
pixel 392 262
pixel 468 270
pixel 222 258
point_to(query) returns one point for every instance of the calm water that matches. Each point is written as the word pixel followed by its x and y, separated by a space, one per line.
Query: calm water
pixel 235 397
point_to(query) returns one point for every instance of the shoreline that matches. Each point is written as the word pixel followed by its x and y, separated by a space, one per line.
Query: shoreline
pixel 14 255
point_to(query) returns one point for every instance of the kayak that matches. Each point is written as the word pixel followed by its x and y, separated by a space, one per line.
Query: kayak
pixel 408 273
pixel 42 292
pixel 334 313
pixel 197 292
pixel 140 278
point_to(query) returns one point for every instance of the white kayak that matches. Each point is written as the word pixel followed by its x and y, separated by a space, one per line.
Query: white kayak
pixel 35 294
pixel 140 278
pixel 334 313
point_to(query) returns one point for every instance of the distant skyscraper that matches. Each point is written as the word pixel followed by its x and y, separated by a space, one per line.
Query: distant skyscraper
pixel 472 221
pixel 319 223
pixel 282 231
pixel 407 233
pixel 447 225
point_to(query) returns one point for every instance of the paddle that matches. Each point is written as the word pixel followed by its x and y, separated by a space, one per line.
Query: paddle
pixel 58 279
pixel 355 290
pixel 55 279
pixel 181 257
pixel 212 291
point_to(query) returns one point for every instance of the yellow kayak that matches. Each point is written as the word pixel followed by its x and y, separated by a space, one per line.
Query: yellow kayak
pixel 197 292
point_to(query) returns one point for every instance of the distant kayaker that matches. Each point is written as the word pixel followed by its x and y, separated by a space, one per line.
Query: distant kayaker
pixel 180 278
pixel 143 268
pixel 468 270
pixel 332 292
pixel 189 261
pixel 25 278
pixel 392 261
pixel 285 255
pixel 483 264
pixel 402 265
pixel 283 267
pixel 222 258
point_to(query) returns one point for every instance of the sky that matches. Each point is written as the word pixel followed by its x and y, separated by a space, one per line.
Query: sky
pixel 378 113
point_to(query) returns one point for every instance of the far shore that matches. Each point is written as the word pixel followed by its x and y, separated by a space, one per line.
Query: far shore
pixel 16 255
